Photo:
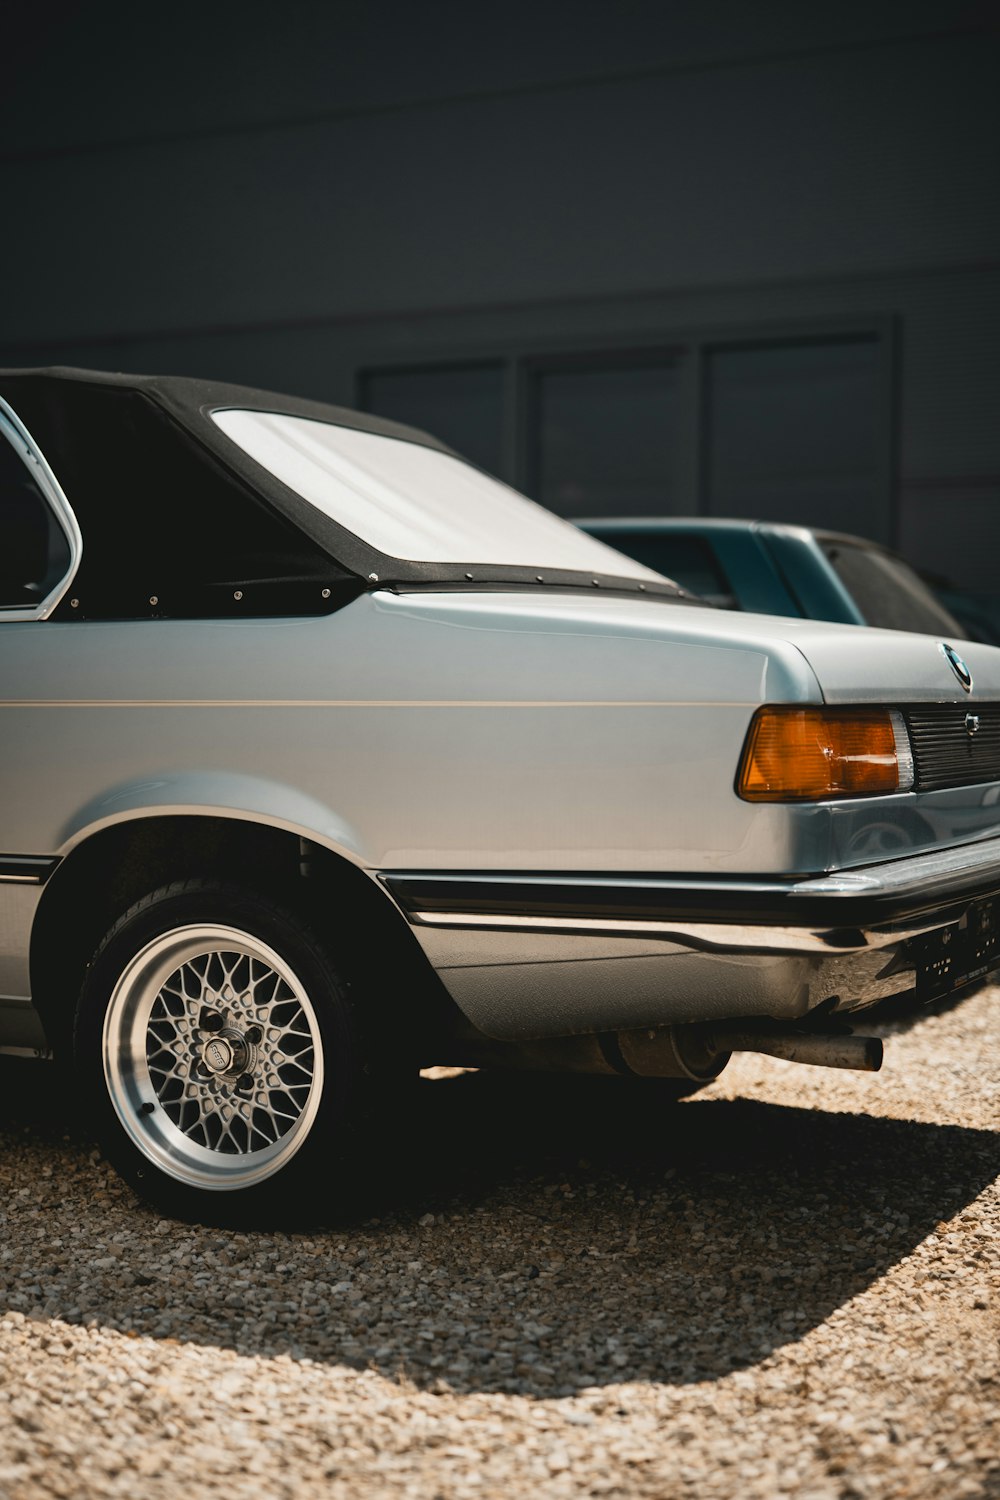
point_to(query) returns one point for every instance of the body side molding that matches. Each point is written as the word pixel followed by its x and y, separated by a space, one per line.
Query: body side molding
pixel 26 869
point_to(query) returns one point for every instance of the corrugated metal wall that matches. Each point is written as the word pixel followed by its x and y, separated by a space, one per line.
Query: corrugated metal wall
pixel 287 198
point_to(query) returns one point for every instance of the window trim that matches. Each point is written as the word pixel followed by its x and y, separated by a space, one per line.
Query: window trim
pixel 13 431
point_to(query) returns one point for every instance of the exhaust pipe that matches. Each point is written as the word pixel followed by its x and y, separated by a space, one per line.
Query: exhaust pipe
pixel 863 1053
pixel 701 1052
pixel 698 1051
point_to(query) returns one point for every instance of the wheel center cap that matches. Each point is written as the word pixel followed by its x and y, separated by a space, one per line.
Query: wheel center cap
pixel 218 1055
pixel 226 1052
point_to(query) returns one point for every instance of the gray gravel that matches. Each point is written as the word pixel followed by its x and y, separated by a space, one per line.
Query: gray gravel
pixel 788 1285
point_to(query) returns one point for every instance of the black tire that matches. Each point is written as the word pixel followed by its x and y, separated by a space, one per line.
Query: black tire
pixel 219 1063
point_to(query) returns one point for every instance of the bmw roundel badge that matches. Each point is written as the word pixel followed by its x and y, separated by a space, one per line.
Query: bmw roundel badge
pixel 957 665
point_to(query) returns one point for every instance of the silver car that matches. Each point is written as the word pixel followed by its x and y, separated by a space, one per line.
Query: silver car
pixel 327 756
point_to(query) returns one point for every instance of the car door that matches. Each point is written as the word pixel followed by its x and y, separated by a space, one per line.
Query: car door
pixel 40 549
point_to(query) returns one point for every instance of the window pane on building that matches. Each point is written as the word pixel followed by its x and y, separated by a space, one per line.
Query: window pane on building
pixel 604 440
pixel 793 435
pixel 460 404
pixel 950 528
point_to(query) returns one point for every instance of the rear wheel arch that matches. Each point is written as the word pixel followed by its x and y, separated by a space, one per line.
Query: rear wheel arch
pixel 104 875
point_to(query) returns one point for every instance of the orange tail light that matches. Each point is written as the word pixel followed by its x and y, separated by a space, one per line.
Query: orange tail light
pixel 801 754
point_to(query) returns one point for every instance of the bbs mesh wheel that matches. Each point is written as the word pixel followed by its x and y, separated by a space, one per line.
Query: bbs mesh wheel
pixel 218 1055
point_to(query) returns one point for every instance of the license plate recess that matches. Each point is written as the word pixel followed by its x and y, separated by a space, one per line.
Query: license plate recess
pixel 958 954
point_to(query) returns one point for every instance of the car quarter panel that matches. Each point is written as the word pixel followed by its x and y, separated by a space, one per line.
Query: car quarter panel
pixel 462 731
pixel 475 732
pixel 399 731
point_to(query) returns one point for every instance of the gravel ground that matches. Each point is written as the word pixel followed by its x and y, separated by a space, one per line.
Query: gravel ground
pixel 788 1285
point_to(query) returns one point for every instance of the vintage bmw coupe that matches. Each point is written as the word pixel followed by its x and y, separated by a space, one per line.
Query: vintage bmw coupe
pixel 327 756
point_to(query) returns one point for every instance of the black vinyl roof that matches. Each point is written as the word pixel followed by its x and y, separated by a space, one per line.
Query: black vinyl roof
pixel 192 400
pixel 173 511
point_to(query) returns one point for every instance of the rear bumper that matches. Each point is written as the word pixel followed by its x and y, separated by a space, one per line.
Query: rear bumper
pixel 913 890
pixel 536 955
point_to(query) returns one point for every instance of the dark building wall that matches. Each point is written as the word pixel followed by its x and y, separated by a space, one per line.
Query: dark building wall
pixel 295 197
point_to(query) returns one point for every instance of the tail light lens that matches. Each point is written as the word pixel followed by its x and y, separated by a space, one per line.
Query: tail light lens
pixel 801 754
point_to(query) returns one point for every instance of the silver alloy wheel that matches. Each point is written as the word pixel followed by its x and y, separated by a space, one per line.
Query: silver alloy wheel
pixel 213 1057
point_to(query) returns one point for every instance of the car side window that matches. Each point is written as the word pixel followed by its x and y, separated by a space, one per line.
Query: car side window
pixel 34 549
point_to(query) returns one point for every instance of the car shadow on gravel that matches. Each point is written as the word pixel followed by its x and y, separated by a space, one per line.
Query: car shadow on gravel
pixel 529 1234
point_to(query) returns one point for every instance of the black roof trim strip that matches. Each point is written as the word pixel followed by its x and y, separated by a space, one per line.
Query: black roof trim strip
pixel 480 577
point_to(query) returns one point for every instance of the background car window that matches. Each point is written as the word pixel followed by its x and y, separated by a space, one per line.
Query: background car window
pixel 34 552
pixel 907 605
pixel 688 560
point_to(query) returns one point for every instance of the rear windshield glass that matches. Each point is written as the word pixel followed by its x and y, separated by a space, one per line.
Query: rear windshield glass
pixel 413 502
pixel 888 592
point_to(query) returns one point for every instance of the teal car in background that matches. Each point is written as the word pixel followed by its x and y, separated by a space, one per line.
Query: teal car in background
pixel 775 569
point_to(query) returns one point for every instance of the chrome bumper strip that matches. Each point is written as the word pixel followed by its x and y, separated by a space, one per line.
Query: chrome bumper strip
pixel 709 936
pixel 849 911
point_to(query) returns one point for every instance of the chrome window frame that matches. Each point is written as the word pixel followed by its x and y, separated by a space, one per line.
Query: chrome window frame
pixel 13 431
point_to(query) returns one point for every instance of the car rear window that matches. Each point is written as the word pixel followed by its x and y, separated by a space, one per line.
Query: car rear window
pixel 414 502
pixel 888 592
